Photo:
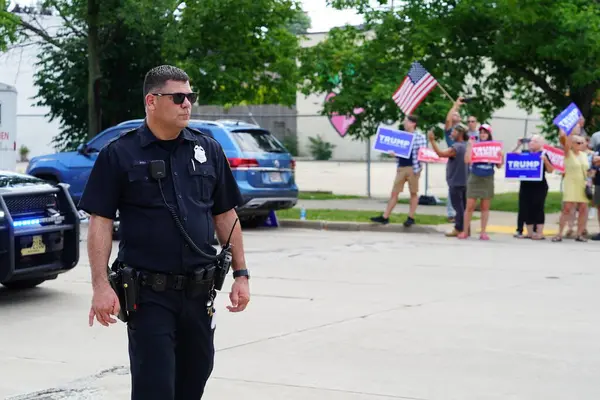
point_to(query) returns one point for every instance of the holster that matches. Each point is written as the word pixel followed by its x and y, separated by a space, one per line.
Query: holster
pixel 200 283
pixel 124 281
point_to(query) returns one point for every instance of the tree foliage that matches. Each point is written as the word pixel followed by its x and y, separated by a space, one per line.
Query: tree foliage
pixel 543 52
pixel 234 51
pixel 240 50
pixel 62 73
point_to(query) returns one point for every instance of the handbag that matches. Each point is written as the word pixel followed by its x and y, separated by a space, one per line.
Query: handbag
pixel 589 193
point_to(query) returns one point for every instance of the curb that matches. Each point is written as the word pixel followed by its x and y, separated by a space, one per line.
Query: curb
pixel 357 226
pixel 393 228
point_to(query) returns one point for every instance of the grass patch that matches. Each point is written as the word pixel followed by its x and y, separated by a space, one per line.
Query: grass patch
pixel 326 196
pixel 509 202
pixel 357 216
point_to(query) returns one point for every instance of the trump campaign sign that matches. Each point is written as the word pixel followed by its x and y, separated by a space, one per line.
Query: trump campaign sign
pixel 524 166
pixel 556 156
pixel 567 119
pixel 398 142
pixel 482 152
pixel 429 156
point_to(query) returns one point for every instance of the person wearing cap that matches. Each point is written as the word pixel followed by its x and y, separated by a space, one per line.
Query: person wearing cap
pixel 480 185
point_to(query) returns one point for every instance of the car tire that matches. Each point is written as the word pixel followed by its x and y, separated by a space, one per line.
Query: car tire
pixel 23 284
pixel 254 221
pixel 51 179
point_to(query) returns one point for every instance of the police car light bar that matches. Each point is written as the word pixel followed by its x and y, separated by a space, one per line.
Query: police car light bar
pixel 37 221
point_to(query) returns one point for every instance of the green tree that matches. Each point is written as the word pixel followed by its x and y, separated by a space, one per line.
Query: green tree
pixel 91 71
pixel 300 24
pixel 543 52
pixel 365 65
pixel 63 71
pixel 240 50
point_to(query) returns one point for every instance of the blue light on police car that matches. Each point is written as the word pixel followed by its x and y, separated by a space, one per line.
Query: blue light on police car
pixel 26 222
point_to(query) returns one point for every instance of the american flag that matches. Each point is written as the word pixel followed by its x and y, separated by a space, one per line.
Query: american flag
pixel 414 88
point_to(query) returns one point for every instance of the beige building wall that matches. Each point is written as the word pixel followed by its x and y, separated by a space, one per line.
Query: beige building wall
pixel 509 123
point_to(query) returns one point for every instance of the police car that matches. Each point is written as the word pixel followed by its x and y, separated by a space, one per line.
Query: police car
pixel 39 230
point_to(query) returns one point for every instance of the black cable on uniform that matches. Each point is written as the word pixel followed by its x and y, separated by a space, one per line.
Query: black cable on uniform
pixel 187 237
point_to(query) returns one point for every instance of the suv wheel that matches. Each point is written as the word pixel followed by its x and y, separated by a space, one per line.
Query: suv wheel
pixel 254 221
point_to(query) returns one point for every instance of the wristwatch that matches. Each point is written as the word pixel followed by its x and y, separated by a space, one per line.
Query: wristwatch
pixel 241 272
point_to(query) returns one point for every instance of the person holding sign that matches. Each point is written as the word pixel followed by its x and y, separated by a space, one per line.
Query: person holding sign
pixel 574 184
pixel 456 174
pixel 532 193
pixel 408 171
pixel 480 184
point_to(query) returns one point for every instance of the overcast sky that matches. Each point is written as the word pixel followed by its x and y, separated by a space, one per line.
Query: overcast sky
pixel 324 18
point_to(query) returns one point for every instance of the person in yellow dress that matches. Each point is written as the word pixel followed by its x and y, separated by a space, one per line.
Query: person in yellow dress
pixel 576 171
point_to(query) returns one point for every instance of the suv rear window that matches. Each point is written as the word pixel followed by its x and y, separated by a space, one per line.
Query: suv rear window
pixel 257 141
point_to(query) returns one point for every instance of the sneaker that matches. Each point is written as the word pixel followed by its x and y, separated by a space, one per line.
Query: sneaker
pixel 452 233
pixel 409 222
pixel 484 236
pixel 381 220
pixel 463 235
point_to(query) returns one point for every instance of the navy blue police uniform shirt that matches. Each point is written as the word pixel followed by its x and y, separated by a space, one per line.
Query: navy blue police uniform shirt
pixel 121 180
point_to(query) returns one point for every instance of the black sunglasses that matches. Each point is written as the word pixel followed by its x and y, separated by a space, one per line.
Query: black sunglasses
pixel 179 98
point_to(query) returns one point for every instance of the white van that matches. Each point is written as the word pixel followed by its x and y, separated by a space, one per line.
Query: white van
pixel 8 127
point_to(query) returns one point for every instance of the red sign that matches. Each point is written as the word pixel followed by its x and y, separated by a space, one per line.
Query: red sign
pixel 3 135
pixel 556 156
pixel 490 152
pixel 429 156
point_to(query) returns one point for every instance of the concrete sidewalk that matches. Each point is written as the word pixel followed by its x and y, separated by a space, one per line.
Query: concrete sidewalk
pixel 499 222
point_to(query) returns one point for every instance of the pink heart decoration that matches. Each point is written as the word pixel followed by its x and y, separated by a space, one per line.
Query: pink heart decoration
pixel 341 123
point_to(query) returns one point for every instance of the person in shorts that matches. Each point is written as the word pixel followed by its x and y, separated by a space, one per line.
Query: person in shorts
pixel 408 172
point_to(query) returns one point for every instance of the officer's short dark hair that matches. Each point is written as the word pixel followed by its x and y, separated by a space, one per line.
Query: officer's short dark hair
pixel 157 77
pixel 413 118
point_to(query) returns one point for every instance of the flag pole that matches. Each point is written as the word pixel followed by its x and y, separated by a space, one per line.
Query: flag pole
pixel 446 93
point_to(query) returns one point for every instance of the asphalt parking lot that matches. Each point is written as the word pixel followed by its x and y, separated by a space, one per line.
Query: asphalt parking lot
pixel 347 315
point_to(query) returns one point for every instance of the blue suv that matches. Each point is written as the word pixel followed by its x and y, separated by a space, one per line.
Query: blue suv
pixel 263 168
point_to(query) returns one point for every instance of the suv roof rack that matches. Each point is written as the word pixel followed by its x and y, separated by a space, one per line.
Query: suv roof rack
pixel 235 122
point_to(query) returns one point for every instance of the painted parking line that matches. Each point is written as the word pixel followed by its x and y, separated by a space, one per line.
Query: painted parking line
pixel 511 230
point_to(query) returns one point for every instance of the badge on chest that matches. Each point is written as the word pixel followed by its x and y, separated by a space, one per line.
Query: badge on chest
pixel 199 154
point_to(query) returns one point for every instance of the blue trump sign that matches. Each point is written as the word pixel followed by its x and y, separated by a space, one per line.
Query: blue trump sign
pixel 390 140
pixel 568 118
pixel 524 167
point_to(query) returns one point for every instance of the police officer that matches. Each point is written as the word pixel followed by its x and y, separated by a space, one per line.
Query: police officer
pixel 171 333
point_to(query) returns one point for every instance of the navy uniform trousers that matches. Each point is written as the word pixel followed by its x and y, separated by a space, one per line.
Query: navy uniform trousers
pixel 171 348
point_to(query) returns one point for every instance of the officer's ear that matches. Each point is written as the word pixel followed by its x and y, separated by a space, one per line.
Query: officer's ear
pixel 150 101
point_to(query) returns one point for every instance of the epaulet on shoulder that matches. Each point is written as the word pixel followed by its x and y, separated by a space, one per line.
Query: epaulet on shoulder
pixel 111 141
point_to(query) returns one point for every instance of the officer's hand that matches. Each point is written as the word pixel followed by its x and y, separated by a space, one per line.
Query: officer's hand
pixel 240 294
pixel 104 303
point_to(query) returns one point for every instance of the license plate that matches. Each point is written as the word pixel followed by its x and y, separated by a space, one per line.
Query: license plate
pixel 38 247
pixel 275 177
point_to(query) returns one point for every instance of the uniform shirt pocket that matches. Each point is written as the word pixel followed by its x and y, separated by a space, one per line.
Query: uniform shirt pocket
pixel 204 178
pixel 141 186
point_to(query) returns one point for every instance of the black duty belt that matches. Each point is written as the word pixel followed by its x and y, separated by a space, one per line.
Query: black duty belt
pixel 162 282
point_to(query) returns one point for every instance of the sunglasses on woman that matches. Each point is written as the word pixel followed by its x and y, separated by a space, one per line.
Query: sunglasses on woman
pixel 179 98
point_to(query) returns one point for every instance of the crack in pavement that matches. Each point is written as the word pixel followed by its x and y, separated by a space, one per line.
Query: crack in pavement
pixel 382 395
pixel 78 388
pixel 84 388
